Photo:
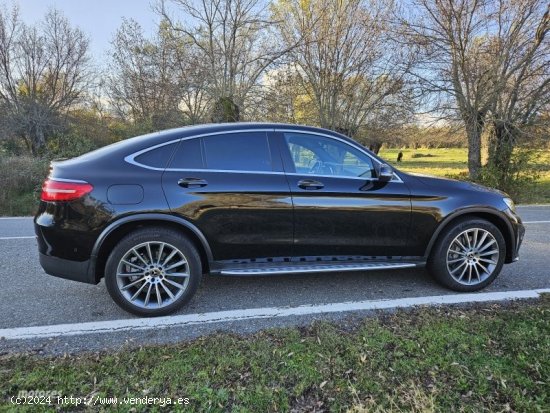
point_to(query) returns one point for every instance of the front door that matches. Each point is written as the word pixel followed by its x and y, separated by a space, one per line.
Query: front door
pixel 340 207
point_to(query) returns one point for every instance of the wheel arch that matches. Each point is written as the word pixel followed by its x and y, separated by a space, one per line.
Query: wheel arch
pixel 494 216
pixel 119 228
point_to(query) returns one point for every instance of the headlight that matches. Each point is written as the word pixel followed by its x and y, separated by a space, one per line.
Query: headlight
pixel 510 203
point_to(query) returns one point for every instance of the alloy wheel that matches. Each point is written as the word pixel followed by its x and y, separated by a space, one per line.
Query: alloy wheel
pixel 472 256
pixel 152 275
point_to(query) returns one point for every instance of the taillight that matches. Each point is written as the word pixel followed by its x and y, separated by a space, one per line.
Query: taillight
pixel 53 190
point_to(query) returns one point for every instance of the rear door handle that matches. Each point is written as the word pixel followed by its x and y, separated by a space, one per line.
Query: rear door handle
pixel 192 182
pixel 310 184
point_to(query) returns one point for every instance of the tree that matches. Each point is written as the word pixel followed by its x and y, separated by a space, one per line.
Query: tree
pixel 144 85
pixel 234 44
pixel 521 59
pixel 485 63
pixel 43 74
pixel 344 57
pixel 448 34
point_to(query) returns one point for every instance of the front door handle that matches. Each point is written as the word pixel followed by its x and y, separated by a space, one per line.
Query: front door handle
pixel 310 184
pixel 192 182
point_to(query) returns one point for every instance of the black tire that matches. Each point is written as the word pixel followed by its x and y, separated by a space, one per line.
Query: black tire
pixel 439 268
pixel 154 235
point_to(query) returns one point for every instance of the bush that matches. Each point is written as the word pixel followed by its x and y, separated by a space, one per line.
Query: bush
pixel 69 146
pixel 21 181
pixel 521 177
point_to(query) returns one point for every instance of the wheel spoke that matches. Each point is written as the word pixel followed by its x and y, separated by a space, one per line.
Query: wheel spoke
pixel 468 240
pixel 132 284
pixel 129 274
pixel 461 244
pixel 176 265
pixel 139 256
pixel 179 286
pixel 485 269
pixel 149 253
pixel 138 291
pixel 463 272
pixel 161 249
pixel 148 296
pixel 455 260
pixel 469 274
pixel 489 261
pixel 483 248
pixel 456 252
pixel 482 240
pixel 492 252
pixel 477 272
pixel 474 238
pixel 457 268
pixel 133 265
pixel 169 257
pixel 177 274
pixel 159 298
pixel 167 290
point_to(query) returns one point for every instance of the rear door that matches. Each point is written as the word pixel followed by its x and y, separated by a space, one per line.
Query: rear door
pixel 231 187
pixel 340 207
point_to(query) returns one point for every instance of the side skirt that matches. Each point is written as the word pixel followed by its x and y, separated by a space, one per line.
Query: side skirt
pixel 302 265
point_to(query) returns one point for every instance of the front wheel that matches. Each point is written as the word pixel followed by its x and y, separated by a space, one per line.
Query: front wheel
pixel 468 256
pixel 153 271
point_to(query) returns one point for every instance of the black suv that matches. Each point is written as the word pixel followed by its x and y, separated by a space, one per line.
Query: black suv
pixel 153 213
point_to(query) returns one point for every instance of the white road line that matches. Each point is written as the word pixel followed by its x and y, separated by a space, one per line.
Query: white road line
pixel 136 324
pixel 16 217
pixel 4 238
pixel 536 222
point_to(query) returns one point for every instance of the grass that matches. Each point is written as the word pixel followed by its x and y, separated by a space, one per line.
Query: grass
pixel 489 358
pixel 450 162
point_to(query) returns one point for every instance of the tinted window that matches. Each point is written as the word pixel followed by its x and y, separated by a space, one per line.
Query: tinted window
pixel 188 155
pixel 312 154
pixel 157 158
pixel 247 151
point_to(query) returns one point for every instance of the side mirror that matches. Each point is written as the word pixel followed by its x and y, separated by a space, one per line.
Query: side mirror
pixel 385 173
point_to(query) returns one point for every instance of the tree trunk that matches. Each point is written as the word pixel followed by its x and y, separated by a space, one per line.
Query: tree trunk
pixel 474 129
pixel 38 139
pixel 501 146
pixel 225 110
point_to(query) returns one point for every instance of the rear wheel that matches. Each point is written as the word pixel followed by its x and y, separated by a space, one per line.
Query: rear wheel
pixel 468 256
pixel 153 271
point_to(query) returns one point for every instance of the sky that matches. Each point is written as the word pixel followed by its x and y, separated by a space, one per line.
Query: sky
pixel 99 19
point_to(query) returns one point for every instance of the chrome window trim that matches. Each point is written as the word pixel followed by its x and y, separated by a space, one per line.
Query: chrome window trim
pixel 131 158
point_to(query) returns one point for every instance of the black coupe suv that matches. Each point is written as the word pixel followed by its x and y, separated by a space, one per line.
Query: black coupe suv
pixel 153 213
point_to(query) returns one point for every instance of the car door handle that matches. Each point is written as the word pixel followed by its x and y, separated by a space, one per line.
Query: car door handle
pixel 310 184
pixel 192 182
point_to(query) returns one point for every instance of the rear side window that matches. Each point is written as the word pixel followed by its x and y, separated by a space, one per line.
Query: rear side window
pixel 188 155
pixel 158 157
pixel 248 151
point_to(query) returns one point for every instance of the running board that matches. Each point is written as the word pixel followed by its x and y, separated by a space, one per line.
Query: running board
pixel 300 268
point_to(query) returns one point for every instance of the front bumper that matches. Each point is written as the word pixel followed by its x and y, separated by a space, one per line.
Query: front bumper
pixel 70 270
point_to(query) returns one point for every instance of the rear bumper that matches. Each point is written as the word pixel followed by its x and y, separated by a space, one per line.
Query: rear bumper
pixel 70 270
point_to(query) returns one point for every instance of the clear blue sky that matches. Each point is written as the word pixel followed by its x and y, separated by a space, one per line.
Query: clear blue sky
pixel 99 19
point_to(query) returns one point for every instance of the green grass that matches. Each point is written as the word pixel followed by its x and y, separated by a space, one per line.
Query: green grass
pixel 490 358
pixel 450 162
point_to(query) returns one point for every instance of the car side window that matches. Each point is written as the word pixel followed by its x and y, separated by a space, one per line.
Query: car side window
pixel 158 157
pixel 188 155
pixel 244 151
pixel 319 155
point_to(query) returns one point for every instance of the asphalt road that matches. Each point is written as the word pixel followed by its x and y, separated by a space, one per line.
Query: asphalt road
pixel 29 297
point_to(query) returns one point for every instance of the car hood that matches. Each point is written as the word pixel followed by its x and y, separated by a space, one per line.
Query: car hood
pixel 448 182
